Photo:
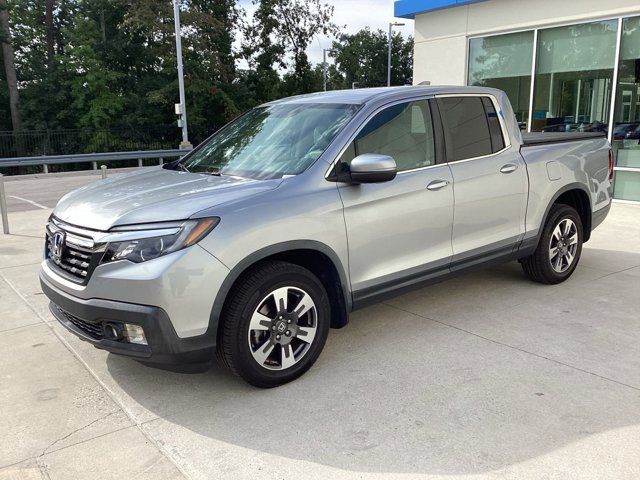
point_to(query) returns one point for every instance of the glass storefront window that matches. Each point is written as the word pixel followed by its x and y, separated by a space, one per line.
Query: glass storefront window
pixel 627 185
pixel 574 76
pixel 504 62
pixel 626 129
pixel 573 84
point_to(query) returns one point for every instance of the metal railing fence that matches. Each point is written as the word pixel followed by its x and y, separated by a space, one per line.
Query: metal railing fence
pixel 73 141
pixel 93 158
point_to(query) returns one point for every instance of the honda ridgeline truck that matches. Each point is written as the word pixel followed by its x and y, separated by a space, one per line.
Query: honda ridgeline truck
pixel 279 225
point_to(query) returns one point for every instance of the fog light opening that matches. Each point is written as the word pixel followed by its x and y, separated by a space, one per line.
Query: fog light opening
pixel 113 331
pixel 134 334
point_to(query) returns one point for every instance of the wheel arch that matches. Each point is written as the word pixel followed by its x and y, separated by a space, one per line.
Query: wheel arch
pixel 572 194
pixel 315 256
pixel 577 196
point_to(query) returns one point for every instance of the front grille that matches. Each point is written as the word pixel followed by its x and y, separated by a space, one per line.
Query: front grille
pixel 76 258
pixel 94 330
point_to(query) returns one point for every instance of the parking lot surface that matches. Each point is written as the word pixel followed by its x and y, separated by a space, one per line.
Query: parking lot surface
pixel 486 376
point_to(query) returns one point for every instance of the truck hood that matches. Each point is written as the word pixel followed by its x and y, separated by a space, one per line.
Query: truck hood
pixel 152 195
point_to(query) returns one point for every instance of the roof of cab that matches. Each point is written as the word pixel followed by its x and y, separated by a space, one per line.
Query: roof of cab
pixel 360 96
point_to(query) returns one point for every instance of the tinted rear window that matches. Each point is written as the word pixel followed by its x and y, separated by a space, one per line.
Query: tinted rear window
pixel 465 126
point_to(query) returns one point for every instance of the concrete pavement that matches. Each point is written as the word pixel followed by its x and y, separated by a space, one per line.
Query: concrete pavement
pixel 484 376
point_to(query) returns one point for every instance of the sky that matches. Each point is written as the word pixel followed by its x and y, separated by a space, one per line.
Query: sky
pixel 355 14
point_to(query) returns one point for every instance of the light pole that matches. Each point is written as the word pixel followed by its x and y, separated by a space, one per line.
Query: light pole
pixel 182 111
pixel 324 67
pixel 391 25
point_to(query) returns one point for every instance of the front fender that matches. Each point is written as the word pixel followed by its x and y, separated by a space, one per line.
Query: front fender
pixel 270 251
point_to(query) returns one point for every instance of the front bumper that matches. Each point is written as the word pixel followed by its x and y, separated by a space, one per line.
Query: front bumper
pixel 165 348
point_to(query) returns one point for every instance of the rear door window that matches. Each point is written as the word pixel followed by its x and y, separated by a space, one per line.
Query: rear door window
pixel 466 129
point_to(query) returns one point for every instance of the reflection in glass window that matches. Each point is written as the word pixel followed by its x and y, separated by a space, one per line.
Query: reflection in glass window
pixel 466 130
pixel 403 131
pixel 626 130
pixel 574 75
pixel 270 142
pixel 504 62
pixel 497 141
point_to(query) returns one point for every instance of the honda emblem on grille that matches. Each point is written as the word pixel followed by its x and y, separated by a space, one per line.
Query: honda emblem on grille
pixel 57 245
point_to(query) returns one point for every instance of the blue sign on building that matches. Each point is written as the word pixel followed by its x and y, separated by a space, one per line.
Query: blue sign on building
pixel 411 8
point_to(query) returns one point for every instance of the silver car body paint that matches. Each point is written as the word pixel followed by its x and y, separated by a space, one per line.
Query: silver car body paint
pixel 377 233
pixel 152 195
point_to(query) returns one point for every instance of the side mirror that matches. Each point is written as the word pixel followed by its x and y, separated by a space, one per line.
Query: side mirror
pixel 373 168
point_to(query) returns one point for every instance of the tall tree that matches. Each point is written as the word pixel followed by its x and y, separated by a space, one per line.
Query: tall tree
pixel 263 55
pixel 99 65
pixel 211 80
pixel 99 54
pixel 41 74
pixel 48 19
pixel 5 114
pixel 361 58
pixel 8 60
pixel 210 60
pixel 293 24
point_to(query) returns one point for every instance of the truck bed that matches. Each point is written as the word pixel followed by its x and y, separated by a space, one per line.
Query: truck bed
pixel 541 138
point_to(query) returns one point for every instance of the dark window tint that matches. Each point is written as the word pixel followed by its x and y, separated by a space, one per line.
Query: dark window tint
pixel 465 127
pixel 403 131
pixel 497 142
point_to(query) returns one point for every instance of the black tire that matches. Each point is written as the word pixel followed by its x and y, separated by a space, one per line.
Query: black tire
pixel 246 297
pixel 538 266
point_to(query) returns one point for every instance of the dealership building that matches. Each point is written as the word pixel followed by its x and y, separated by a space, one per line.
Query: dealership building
pixel 566 65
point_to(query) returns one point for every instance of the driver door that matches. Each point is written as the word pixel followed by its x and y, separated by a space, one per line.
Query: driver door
pixel 399 232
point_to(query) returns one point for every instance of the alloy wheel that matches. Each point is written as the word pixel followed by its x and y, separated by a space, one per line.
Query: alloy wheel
pixel 282 328
pixel 563 245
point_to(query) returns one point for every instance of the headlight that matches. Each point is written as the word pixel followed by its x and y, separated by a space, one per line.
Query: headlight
pixel 149 245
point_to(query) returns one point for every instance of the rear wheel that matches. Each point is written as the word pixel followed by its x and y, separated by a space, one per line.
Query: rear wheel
pixel 275 324
pixel 559 248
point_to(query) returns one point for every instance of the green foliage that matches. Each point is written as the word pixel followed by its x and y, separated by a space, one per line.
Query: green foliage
pixel 111 64
pixel 262 54
pixel 362 58
pixel 300 22
pixel 5 114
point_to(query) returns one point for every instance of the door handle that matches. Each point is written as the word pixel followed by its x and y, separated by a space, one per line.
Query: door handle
pixel 508 168
pixel 437 185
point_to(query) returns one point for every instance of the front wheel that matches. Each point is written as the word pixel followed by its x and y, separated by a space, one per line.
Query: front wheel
pixel 275 324
pixel 559 248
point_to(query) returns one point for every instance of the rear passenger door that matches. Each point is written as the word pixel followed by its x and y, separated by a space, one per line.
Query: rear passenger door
pixel 490 178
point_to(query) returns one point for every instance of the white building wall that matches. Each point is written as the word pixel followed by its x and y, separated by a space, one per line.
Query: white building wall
pixel 440 52
pixel 442 62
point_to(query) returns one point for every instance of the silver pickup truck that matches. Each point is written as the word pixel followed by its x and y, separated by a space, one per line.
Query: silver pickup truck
pixel 275 228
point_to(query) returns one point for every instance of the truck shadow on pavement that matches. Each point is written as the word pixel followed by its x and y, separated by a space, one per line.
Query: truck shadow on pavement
pixel 471 375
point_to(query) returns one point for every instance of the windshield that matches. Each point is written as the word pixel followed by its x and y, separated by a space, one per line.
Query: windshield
pixel 269 142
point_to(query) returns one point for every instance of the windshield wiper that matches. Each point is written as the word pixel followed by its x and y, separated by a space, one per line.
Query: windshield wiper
pixel 215 171
pixel 180 166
